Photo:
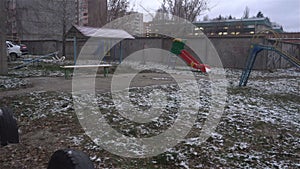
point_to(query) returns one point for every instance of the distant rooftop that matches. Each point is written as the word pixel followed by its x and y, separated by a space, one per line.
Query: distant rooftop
pixel 236 20
pixel 249 21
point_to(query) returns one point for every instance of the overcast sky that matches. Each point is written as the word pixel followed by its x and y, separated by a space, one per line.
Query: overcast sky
pixel 283 12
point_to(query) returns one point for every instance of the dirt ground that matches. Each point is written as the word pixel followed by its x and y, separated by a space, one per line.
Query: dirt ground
pixel 60 84
pixel 259 127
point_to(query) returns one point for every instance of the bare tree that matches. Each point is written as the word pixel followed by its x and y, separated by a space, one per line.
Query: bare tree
pixel 246 13
pixel 206 18
pixel 186 9
pixel 65 17
pixel 260 15
pixel 117 9
pixel 67 20
pixel 161 14
pixel 3 57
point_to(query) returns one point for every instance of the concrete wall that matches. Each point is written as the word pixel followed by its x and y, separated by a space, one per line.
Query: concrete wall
pixel 43 47
pixel 232 51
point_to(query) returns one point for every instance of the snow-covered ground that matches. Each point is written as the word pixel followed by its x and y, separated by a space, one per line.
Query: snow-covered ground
pixel 9 83
pixel 259 127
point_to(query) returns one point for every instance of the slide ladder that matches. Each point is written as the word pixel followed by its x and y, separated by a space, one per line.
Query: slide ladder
pixel 256 48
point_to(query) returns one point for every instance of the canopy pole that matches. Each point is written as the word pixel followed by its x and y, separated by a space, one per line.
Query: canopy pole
pixel 75 49
pixel 121 53
pixel 115 52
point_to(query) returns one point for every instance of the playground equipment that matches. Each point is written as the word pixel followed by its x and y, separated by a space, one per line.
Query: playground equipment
pixel 68 68
pixel 28 62
pixel 178 49
pixel 257 48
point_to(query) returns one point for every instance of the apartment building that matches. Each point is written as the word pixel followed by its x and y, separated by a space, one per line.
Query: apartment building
pixel 91 13
pixel 44 20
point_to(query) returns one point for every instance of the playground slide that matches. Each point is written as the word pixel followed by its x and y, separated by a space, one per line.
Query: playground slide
pixel 190 60
pixel 256 48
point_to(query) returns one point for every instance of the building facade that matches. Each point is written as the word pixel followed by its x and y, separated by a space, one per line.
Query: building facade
pixel 97 13
pixel 91 13
pixel 138 24
pixel 82 18
pixel 132 23
pixel 11 25
pixel 45 20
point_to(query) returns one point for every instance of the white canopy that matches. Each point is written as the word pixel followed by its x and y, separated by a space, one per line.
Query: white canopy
pixel 103 32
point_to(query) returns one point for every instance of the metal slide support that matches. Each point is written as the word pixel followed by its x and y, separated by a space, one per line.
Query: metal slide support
pixel 249 65
pixel 293 61
pixel 256 48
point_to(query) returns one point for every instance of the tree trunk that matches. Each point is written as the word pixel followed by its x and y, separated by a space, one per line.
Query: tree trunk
pixel 64 28
pixel 3 55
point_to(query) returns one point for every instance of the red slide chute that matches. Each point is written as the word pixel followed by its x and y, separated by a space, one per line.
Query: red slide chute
pixel 190 60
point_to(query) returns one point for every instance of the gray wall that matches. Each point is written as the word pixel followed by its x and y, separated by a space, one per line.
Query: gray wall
pixel 43 46
pixel 232 51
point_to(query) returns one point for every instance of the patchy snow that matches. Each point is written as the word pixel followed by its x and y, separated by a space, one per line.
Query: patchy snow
pixel 8 83
pixel 251 112
pixel 259 128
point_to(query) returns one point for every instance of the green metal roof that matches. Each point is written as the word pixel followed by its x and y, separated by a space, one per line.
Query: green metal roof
pixel 251 21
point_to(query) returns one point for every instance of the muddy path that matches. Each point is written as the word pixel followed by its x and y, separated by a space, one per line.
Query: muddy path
pixel 103 84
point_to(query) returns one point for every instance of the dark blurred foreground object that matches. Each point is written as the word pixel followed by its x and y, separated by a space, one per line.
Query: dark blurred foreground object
pixel 8 127
pixel 70 159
